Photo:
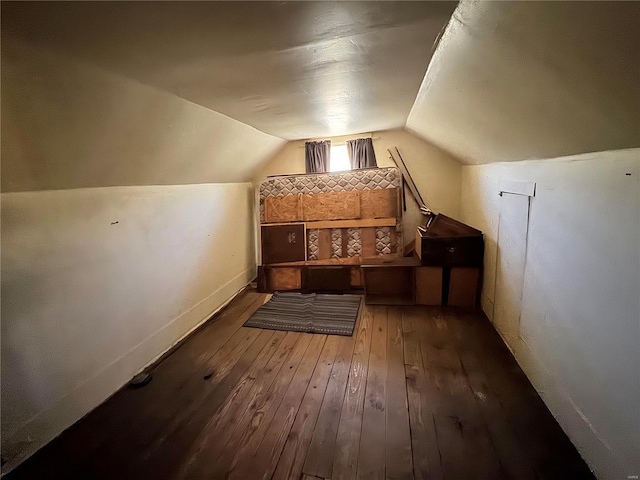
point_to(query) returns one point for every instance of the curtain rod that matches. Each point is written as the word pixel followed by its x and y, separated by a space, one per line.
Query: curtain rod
pixel 340 143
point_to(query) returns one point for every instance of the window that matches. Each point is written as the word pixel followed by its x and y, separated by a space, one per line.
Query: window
pixel 339 159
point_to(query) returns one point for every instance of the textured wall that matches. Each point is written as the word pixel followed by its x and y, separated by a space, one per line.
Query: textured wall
pixel 578 330
pixel 98 282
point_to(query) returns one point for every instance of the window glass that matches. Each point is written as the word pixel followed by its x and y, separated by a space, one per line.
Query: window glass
pixel 339 160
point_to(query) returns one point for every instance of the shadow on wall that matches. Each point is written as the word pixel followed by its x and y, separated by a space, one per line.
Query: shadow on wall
pixel 96 283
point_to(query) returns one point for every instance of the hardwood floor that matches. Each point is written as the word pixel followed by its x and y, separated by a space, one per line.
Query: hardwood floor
pixel 417 392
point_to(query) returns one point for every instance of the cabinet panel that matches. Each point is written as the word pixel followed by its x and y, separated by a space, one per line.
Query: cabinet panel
pixel 331 206
pixel 286 208
pixel 283 243
pixel 327 278
pixel 284 278
pixel 388 285
pixel 428 285
pixel 379 203
pixel 463 286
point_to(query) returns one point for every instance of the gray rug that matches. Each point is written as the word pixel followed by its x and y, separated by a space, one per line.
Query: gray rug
pixel 312 313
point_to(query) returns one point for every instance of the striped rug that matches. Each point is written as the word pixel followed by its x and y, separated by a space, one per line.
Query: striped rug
pixel 312 313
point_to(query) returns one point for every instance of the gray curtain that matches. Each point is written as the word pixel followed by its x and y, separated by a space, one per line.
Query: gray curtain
pixel 361 154
pixel 316 156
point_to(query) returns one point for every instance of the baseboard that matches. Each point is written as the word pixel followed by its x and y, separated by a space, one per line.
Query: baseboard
pixel 23 442
pixel 487 306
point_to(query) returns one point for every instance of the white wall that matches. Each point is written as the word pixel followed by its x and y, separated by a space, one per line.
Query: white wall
pixel 86 302
pixel 580 321
pixel 436 173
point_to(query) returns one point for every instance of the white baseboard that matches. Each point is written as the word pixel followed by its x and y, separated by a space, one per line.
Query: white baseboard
pixel 43 427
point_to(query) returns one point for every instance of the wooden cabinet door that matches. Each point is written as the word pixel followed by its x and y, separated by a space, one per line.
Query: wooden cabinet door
pixel 283 243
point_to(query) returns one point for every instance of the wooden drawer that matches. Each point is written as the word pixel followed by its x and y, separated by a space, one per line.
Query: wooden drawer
pixel 467 251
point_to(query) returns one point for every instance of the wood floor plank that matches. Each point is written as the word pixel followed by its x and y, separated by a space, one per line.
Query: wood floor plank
pixel 259 461
pixel 424 442
pixel 450 396
pixel 399 462
pixel 320 456
pixel 199 388
pixel 219 429
pixel 291 461
pixel 310 477
pixel 165 454
pixel 170 386
pixel 246 409
pixel 348 436
pixel 462 409
pixel 268 410
pixel 550 451
pixel 513 458
pixel 371 454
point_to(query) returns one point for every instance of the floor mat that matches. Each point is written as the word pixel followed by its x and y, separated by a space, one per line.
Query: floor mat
pixel 312 313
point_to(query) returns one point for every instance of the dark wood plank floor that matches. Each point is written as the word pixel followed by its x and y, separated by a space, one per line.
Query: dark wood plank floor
pixel 417 392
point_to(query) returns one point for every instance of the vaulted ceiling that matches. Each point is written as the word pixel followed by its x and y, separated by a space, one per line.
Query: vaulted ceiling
pixel 532 80
pixel 290 69
pixel 508 80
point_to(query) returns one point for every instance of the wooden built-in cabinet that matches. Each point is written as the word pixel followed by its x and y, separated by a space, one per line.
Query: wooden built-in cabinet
pixel 446 269
pixel 288 219
pixel 402 282
pixel 389 283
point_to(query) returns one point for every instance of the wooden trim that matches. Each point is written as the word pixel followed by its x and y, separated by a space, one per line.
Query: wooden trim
pixel 393 243
pixel 300 207
pixel 368 239
pixel 373 260
pixel 324 244
pixel 345 241
pixel 359 223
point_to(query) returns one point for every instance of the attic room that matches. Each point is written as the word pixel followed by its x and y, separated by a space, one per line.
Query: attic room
pixel 320 240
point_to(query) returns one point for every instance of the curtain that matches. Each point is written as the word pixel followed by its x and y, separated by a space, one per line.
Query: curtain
pixel 361 154
pixel 316 156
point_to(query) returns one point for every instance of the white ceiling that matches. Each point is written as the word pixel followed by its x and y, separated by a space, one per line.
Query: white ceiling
pixel 509 80
pixel 291 69
pixel 532 80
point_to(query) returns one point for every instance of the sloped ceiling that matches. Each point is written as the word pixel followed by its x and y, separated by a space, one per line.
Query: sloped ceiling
pixel 67 124
pixel 290 69
pixel 529 80
pixel 508 81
